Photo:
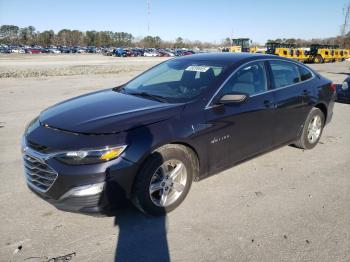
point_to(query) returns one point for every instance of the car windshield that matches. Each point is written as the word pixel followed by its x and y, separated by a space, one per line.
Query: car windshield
pixel 175 81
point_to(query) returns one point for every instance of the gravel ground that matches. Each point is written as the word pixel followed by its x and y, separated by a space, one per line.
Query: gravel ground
pixel 287 205
pixel 23 66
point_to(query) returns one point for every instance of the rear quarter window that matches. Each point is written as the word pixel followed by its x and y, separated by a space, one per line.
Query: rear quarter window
pixel 305 74
pixel 284 73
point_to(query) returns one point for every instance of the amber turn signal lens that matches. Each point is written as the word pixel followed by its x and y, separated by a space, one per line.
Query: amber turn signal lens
pixel 113 153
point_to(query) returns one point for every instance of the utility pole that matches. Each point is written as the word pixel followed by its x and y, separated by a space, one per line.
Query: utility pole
pixel 148 14
pixel 346 11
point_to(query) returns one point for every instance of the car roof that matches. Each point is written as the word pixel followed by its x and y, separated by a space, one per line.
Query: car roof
pixel 229 58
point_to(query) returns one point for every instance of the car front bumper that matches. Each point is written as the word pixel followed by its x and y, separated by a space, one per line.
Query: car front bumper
pixel 96 188
pixel 88 204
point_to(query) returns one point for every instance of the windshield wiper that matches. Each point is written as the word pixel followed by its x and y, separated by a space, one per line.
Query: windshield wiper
pixel 148 95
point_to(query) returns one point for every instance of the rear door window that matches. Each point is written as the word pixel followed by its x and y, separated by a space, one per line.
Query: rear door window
pixel 284 73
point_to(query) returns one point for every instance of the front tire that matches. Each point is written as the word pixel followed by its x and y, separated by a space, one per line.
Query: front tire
pixel 312 130
pixel 165 180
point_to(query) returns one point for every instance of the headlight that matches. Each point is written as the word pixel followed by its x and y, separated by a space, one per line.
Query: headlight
pixel 91 156
pixel 345 85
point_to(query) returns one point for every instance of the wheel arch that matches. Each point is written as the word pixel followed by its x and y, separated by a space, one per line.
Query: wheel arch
pixel 193 152
pixel 324 110
pixel 190 148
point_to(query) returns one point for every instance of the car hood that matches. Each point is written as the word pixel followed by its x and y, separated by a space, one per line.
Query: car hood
pixel 105 112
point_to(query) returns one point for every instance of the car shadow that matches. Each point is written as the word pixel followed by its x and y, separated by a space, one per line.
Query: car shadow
pixel 140 237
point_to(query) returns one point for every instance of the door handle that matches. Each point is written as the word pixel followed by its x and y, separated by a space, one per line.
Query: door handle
pixel 268 103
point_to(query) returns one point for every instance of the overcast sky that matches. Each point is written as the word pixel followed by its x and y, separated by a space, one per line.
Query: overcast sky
pixel 196 20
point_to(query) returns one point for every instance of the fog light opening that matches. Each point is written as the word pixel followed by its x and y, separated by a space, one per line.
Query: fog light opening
pixel 81 191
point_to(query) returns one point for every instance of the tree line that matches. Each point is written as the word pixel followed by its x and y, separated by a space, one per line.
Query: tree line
pixel 11 34
pixel 14 35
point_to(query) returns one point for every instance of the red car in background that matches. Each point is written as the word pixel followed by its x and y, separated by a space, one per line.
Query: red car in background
pixel 33 51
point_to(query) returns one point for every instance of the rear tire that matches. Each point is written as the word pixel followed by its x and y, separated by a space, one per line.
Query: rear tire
pixel 312 130
pixel 158 189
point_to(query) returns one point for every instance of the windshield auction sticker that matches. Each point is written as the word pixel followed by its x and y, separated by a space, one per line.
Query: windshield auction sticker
pixel 197 68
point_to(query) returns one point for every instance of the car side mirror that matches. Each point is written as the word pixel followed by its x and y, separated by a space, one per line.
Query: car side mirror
pixel 233 98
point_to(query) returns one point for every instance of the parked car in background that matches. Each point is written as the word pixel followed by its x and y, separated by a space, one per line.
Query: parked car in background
pixel 65 49
pixel 119 52
pixel 91 49
pixel 181 52
pixel 343 91
pixel 108 51
pixel 162 53
pixel 128 52
pixel 137 51
pixel 54 51
pixel 78 50
pixel 17 50
pixel 44 50
pixel 4 50
pixel 169 53
pixel 34 50
pixel 150 53
pixel 182 120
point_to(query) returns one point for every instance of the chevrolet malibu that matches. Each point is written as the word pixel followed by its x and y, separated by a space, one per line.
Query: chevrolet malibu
pixel 181 121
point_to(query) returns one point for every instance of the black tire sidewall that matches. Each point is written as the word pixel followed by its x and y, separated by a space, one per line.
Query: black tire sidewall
pixel 141 197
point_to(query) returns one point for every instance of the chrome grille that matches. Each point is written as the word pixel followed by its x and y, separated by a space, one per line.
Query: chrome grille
pixel 39 175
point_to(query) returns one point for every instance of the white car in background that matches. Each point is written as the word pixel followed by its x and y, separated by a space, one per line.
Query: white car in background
pixel 169 53
pixel 150 54
pixel 80 51
pixel 54 51
pixel 17 50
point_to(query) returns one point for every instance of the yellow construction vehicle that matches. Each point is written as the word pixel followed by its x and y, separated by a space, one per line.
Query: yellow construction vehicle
pixel 287 50
pixel 240 45
pixel 279 49
pixel 345 54
pixel 320 54
pixel 300 54
pixel 335 52
pixel 337 55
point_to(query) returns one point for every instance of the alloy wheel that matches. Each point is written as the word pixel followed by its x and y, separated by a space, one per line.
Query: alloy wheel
pixel 168 183
pixel 314 129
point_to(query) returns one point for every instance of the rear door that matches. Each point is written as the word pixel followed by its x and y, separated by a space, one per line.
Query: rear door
pixel 292 96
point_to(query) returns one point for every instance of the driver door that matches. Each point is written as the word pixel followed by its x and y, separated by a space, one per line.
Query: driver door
pixel 241 130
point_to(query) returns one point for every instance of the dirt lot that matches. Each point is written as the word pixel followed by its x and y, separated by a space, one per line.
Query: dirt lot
pixel 288 205
pixel 22 66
